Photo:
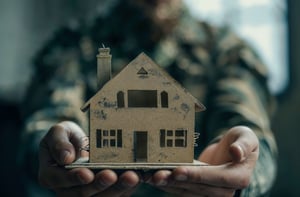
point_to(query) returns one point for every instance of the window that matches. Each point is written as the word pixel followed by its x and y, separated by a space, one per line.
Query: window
pixel 142 98
pixel 120 99
pixel 170 138
pixel 164 99
pixel 108 138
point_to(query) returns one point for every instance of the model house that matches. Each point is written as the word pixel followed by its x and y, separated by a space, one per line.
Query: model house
pixel 142 115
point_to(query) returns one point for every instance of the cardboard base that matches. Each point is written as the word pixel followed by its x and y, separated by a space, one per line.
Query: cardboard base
pixel 84 163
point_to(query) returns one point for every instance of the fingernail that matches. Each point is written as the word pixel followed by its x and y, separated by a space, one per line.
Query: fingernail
pixel 64 155
pixel 181 177
pixel 241 152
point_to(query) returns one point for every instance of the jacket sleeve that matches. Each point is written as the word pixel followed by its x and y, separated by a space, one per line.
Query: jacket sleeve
pixel 240 97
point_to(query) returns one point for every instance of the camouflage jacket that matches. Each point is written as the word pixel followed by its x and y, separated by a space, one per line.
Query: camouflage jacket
pixel 217 67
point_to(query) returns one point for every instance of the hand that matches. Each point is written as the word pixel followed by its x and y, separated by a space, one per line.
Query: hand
pixel 231 162
pixel 61 146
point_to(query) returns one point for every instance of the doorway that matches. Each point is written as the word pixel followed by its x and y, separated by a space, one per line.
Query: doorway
pixel 140 146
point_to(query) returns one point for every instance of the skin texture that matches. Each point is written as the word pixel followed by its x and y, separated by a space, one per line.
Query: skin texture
pixel 58 148
pixel 231 160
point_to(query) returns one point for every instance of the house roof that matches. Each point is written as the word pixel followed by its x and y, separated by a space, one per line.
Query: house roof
pixel 142 56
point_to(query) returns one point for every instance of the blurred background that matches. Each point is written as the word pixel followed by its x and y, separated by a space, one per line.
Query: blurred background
pixel 270 26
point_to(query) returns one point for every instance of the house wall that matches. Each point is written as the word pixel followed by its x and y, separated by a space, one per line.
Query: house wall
pixel 151 120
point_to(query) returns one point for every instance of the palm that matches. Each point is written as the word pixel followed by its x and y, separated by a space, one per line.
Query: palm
pixel 214 154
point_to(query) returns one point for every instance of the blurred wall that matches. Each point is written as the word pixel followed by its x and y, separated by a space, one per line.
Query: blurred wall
pixel 287 119
pixel 25 25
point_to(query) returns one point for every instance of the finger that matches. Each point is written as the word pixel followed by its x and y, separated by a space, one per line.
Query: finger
pixel 76 135
pixel 57 177
pixel 63 142
pixel 56 148
pixel 130 191
pixel 193 190
pixel 245 142
pixel 127 181
pixel 160 178
pixel 54 176
pixel 103 180
pixel 229 175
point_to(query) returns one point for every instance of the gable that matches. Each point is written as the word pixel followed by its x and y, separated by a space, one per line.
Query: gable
pixel 142 73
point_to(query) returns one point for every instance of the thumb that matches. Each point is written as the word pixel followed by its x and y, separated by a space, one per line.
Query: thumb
pixel 234 146
pixel 62 142
pixel 243 143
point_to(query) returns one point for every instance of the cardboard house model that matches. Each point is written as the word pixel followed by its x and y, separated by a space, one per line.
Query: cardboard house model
pixel 142 115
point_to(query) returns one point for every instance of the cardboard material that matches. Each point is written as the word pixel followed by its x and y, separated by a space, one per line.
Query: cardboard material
pixel 141 116
pixel 84 162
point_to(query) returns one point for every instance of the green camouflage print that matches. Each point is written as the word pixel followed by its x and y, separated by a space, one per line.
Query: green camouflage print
pixel 216 66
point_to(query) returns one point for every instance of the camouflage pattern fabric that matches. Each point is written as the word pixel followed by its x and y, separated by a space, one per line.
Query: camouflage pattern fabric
pixel 217 67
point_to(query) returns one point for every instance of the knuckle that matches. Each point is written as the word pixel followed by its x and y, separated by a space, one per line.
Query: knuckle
pixel 50 135
pixel 55 128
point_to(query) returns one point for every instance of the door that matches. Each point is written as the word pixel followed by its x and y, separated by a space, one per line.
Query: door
pixel 140 146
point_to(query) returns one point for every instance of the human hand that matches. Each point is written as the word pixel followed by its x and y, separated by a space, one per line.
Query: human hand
pixel 231 162
pixel 61 146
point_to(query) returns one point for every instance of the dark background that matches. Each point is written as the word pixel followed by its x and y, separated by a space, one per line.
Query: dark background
pixel 287 119
pixel 285 124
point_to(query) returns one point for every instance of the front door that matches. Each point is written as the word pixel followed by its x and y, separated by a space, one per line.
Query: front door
pixel 140 146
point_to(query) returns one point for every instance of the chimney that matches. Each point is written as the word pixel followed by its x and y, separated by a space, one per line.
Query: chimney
pixel 103 67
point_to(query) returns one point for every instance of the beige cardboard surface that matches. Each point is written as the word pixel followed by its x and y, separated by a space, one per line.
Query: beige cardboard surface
pixel 140 116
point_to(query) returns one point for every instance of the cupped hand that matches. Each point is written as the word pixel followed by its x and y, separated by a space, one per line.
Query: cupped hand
pixel 230 161
pixel 62 146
